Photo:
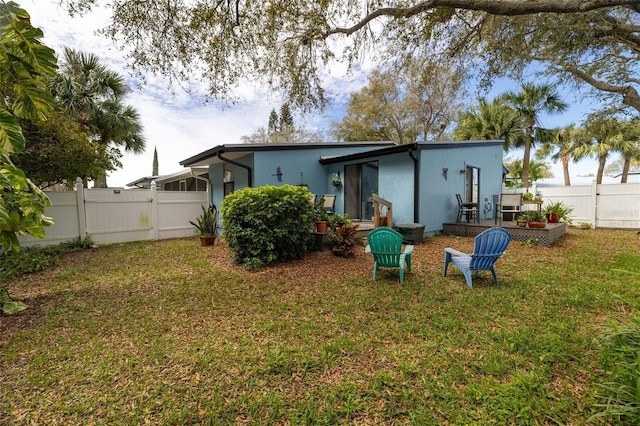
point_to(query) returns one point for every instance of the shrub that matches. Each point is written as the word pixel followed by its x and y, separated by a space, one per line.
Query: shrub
pixel 268 224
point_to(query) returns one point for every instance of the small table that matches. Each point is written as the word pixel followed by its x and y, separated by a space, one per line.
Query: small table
pixel 471 210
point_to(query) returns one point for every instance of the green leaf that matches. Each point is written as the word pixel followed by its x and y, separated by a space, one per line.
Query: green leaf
pixel 10 308
pixel 11 138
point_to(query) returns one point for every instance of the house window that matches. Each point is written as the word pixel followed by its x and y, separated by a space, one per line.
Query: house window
pixel 228 178
pixel 360 181
pixel 473 184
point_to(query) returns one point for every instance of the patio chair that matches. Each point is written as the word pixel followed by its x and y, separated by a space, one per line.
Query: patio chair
pixel 489 245
pixel 386 246
pixel 329 202
pixel 509 203
pixel 467 209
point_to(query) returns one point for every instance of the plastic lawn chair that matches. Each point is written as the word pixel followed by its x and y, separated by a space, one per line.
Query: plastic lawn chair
pixel 386 246
pixel 489 246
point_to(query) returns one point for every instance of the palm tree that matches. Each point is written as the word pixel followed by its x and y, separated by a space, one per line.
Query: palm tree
pixel 538 170
pixel 605 135
pixel 629 148
pixel 490 121
pixel 560 146
pixel 94 94
pixel 530 102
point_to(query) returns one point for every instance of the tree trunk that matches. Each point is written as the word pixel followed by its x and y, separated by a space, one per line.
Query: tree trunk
pixel 528 141
pixel 602 160
pixel 625 169
pixel 100 181
pixel 565 170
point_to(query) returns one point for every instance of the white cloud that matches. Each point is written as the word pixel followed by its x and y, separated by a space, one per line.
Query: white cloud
pixel 180 125
pixel 177 124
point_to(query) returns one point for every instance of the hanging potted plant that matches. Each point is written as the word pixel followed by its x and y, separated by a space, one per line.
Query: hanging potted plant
pixel 335 180
pixel 207 225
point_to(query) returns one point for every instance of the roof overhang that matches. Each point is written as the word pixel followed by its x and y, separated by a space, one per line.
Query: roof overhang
pixel 406 148
pixel 183 174
pixel 143 180
pixel 235 151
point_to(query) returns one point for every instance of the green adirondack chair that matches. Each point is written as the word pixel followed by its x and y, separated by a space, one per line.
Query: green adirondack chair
pixel 386 246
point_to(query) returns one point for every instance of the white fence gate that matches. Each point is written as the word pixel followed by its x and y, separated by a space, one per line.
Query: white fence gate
pixel 120 215
pixel 602 206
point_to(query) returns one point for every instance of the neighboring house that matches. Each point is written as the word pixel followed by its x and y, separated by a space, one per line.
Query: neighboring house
pixel 420 180
pixel 190 179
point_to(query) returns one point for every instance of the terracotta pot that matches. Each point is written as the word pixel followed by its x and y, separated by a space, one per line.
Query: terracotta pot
pixel 207 240
pixel 537 224
pixel 552 218
pixel 522 223
pixel 321 226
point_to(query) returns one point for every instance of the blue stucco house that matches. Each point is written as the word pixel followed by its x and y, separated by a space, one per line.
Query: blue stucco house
pixel 420 179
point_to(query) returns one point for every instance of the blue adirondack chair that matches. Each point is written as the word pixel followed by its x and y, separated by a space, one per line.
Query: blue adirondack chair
pixel 386 246
pixel 489 245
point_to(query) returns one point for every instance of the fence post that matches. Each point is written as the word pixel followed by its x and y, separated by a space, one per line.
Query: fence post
pixel 594 204
pixel 155 219
pixel 82 217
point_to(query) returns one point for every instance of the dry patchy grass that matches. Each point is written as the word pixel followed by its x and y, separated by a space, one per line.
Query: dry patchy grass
pixel 172 333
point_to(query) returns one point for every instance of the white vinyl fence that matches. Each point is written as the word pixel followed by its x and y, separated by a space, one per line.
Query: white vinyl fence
pixel 602 206
pixel 120 215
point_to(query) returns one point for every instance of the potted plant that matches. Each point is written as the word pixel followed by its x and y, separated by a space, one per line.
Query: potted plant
pixel 557 212
pixel 336 219
pixel 522 220
pixel 321 216
pixel 535 219
pixel 335 180
pixel 207 225
pixel 344 239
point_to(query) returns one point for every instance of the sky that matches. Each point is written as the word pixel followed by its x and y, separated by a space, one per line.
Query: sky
pixel 180 126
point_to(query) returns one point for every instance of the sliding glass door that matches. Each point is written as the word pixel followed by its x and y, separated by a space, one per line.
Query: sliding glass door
pixel 361 180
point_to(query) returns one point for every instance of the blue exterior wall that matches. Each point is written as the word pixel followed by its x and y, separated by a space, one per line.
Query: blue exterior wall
pixel 438 203
pixel 298 167
pixel 395 183
pixel 216 177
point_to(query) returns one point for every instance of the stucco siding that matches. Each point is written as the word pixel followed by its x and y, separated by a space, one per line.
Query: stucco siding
pixel 241 177
pixel 438 203
pixel 396 183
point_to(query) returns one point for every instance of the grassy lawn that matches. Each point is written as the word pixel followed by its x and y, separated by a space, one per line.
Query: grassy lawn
pixel 173 333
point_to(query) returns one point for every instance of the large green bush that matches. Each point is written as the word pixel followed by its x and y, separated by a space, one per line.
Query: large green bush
pixel 268 224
